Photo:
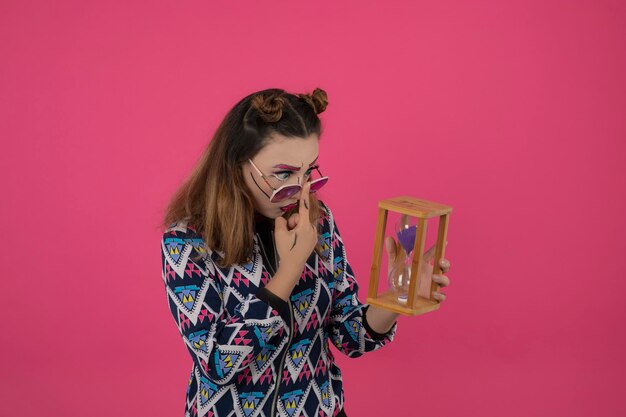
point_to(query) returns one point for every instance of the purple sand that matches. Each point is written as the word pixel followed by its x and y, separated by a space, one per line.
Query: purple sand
pixel 406 237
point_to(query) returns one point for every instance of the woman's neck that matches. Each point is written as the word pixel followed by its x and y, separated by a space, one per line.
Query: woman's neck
pixel 259 218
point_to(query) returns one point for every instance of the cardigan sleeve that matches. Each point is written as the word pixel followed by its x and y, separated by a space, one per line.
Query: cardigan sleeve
pixel 220 344
pixel 349 330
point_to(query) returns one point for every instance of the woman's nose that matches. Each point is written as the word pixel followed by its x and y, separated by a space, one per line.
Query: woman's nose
pixel 298 195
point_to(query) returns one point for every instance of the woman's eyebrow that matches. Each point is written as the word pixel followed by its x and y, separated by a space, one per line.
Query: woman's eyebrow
pixel 285 166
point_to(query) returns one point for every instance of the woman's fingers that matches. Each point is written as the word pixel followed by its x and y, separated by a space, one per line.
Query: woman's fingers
pixel 304 199
pixel 429 255
pixel 390 245
pixel 280 225
pixel 303 211
pixel 293 220
pixel 444 264
pixel 439 296
pixel 442 280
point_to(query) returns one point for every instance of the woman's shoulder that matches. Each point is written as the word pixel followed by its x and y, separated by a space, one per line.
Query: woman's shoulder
pixel 325 212
pixel 181 228
pixel 182 233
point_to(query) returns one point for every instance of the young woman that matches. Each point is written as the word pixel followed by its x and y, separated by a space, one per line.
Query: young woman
pixel 256 272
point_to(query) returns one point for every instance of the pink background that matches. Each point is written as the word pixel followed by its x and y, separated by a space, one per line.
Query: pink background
pixel 511 112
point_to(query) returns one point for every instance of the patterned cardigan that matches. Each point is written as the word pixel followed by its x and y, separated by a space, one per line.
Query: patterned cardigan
pixel 253 353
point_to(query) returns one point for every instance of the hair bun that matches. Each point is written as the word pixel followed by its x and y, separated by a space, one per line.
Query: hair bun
pixel 317 99
pixel 270 107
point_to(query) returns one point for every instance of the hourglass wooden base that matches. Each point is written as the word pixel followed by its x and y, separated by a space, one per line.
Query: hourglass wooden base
pixel 417 303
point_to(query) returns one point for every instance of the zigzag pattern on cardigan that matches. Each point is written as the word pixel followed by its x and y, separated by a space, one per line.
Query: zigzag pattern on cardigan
pixel 246 343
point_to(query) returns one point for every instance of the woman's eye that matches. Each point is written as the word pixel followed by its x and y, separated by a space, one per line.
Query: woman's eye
pixel 310 171
pixel 284 175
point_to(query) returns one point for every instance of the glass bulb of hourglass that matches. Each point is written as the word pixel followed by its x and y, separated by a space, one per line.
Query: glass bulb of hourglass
pixel 400 273
pixel 399 278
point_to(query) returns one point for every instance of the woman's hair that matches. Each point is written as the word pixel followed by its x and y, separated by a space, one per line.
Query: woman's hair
pixel 214 198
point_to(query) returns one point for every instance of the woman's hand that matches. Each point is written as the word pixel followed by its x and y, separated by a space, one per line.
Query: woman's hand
pixel 396 254
pixel 295 241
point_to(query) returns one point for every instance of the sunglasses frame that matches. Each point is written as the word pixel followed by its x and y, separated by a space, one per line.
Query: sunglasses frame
pixel 276 190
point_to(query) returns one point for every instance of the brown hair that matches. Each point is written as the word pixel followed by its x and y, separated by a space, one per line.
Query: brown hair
pixel 214 198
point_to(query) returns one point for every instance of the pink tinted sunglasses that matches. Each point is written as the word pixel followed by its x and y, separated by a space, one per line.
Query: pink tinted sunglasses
pixel 286 191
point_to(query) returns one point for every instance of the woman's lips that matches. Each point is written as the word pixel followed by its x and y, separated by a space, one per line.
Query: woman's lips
pixel 289 207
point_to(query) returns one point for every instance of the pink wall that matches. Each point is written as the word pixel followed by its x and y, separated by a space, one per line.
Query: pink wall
pixel 511 112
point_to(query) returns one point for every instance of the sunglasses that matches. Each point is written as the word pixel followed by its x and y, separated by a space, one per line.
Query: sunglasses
pixel 286 191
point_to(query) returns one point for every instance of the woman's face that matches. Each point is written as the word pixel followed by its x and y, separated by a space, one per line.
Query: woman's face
pixel 282 161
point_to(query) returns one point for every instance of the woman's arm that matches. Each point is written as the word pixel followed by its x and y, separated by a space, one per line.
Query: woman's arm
pixel 221 345
pixel 350 324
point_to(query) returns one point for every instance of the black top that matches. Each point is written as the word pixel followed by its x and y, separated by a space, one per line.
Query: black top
pixel 264 228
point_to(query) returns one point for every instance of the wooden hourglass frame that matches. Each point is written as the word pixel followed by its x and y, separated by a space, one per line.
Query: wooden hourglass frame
pixel 422 210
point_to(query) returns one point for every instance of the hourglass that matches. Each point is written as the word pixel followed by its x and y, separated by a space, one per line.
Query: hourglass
pixel 409 290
